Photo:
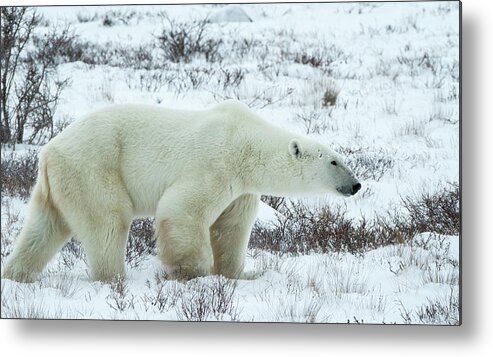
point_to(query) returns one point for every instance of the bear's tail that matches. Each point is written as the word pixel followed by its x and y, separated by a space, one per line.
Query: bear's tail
pixel 42 182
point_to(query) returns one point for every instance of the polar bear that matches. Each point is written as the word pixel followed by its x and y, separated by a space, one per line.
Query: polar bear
pixel 200 173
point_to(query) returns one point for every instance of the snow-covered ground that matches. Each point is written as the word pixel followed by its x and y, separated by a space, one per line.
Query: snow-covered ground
pixel 395 67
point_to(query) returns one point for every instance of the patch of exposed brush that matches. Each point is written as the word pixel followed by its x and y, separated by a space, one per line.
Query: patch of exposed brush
pixel 301 229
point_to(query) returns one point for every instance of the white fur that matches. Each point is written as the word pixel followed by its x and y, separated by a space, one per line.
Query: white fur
pixel 200 173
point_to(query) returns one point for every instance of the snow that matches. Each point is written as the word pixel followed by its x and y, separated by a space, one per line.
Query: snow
pixel 230 13
pixel 334 288
pixel 392 105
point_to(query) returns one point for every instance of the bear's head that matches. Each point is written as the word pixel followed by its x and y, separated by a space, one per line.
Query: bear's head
pixel 322 169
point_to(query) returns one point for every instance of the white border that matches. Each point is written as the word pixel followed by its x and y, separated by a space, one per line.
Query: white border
pixel 473 338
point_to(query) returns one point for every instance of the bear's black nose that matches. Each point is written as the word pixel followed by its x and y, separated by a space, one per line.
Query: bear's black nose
pixel 356 188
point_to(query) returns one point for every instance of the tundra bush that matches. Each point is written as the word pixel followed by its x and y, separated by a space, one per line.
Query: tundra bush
pixel 30 89
pixel 18 173
pixel 183 41
pixel 301 229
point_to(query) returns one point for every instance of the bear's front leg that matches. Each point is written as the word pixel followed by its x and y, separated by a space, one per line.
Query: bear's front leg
pixel 230 234
pixel 184 247
pixel 183 218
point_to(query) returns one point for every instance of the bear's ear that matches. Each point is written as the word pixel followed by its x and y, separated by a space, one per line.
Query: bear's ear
pixel 295 149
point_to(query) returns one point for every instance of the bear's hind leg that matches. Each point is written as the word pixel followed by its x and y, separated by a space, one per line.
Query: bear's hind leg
pixel 230 235
pixel 105 248
pixel 99 211
pixel 43 234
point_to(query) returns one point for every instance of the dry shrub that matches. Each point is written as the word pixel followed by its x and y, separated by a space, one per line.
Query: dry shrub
pixel 303 230
pixel 30 89
pixel 209 302
pixel 18 174
pixel 330 97
pixel 141 241
pixel 183 41
pixel 366 163
pixel 438 312
pixel 438 212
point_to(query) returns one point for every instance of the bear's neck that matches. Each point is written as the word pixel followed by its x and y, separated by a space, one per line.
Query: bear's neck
pixel 265 166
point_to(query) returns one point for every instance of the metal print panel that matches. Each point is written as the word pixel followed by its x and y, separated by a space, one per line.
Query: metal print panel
pixel 283 162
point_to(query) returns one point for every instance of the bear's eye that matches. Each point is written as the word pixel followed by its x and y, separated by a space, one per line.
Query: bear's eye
pixel 333 163
pixel 320 156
